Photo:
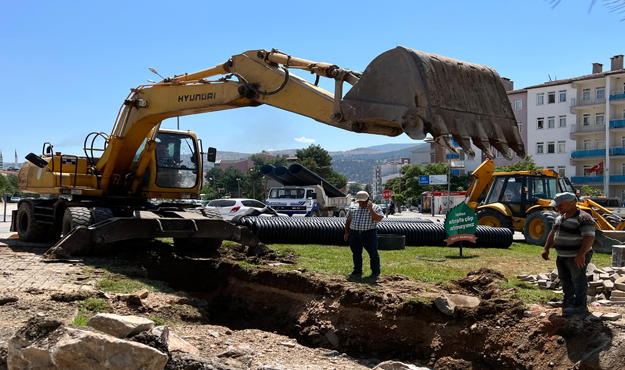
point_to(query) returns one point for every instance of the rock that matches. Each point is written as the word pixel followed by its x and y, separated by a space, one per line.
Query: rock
pixel 4 299
pixel 119 326
pixel 611 316
pixel 619 286
pixel 143 293
pixel 238 356
pixel 608 284
pixel 332 337
pixel 162 332
pixel 445 305
pixel 177 344
pixel 396 365
pixel 72 348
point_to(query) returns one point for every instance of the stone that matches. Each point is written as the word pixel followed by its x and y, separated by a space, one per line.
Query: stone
pixel 543 277
pixel 119 326
pixel 614 277
pixel 608 270
pixel 143 293
pixel 396 365
pixel 620 279
pixel 332 337
pixel 4 299
pixel 608 284
pixel 595 284
pixel 177 344
pixel 236 356
pixel 619 286
pixel 74 348
pixel 445 305
pixel 611 316
pixel 162 332
pixel 617 293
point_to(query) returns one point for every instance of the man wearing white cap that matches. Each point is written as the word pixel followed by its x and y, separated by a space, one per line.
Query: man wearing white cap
pixel 572 236
pixel 361 230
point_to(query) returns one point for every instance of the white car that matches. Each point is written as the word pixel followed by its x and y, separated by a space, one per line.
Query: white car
pixel 236 206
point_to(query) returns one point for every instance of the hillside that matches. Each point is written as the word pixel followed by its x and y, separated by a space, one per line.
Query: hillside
pixel 355 164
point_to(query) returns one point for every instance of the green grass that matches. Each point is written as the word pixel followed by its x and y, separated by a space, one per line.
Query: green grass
pixel 89 308
pixel 519 259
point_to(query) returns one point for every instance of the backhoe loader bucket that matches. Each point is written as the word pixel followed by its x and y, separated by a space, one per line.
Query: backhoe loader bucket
pixel 426 93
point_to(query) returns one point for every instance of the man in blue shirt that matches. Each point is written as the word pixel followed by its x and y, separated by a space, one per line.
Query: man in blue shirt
pixel 361 230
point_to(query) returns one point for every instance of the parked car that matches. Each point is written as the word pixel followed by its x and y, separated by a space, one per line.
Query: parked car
pixel 14 199
pixel 232 207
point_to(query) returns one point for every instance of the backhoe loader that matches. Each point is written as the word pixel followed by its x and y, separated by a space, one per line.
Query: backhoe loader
pixel 103 196
pixel 520 201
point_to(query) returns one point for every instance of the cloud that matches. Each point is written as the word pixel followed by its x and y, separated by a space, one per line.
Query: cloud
pixel 304 140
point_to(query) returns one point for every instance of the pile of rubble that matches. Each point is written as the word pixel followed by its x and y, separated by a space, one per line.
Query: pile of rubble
pixel 606 286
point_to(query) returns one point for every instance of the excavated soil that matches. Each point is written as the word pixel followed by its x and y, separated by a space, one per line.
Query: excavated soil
pixel 334 322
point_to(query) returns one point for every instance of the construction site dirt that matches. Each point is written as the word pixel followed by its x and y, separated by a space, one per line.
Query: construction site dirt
pixel 310 320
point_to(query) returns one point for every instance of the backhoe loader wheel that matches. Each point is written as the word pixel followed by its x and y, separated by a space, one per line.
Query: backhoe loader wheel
pixel 76 216
pixel 537 227
pixel 493 218
pixel 613 219
pixel 101 213
pixel 28 229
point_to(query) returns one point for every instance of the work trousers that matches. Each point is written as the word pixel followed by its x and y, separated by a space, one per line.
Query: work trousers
pixel 369 241
pixel 573 279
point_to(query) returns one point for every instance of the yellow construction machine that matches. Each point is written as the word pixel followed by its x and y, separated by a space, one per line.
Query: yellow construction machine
pixel 104 195
pixel 520 201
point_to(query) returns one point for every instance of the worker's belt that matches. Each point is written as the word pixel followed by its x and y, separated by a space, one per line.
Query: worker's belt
pixel 363 231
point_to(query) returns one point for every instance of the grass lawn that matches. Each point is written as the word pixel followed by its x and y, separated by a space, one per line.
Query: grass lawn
pixel 519 259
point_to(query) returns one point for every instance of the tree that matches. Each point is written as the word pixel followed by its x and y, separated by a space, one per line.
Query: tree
pixel 354 188
pixel 368 188
pixel 592 192
pixel 319 161
pixel 527 164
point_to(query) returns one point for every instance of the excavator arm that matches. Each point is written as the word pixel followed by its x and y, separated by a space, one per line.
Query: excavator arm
pixel 402 90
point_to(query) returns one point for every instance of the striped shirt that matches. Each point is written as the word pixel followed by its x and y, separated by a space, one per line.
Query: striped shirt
pixel 569 232
pixel 361 217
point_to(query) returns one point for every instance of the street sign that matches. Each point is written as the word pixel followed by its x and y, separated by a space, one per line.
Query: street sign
pixel 424 180
pixel 460 225
pixel 386 194
pixel 432 179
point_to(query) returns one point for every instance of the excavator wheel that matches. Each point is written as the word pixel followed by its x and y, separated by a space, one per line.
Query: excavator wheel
pixel 76 216
pixel 537 227
pixel 101 214
pixel 28 229
pixel 493 218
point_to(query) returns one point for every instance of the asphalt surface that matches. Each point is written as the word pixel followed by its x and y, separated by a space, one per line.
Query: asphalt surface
pixel 5 219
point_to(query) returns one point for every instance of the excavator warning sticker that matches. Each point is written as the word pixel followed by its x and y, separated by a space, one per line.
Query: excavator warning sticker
pixel 194 97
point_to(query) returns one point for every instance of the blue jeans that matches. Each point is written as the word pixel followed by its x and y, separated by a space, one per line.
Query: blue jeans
pixel 574 280
pixel 369 241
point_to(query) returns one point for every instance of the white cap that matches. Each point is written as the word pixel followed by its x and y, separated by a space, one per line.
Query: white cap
pixel 361 196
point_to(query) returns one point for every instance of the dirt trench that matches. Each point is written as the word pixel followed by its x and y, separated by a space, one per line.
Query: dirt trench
pixel 393 317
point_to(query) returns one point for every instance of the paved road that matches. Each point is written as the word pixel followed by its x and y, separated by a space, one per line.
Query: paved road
pixel 5 222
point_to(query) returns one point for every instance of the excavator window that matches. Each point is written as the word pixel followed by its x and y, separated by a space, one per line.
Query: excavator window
pixel 176 164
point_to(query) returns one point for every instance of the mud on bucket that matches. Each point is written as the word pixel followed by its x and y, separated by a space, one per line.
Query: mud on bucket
pixel 389 242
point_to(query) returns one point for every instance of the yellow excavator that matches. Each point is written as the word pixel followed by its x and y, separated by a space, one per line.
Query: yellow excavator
pixel 521 201
pixel 104 195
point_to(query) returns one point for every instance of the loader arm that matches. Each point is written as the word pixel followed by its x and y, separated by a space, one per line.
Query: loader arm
pixel 482 178
pixel 402 90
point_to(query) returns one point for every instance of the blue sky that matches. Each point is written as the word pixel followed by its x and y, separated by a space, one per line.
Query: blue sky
pixel 68 65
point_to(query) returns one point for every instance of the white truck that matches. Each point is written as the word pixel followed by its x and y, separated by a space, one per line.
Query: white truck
pixel 307 201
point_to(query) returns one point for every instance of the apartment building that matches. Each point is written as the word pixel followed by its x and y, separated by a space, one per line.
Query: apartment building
pixel 576 126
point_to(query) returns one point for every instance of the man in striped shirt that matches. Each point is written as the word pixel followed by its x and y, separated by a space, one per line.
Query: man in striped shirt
pixel 361 230
pixel 572 236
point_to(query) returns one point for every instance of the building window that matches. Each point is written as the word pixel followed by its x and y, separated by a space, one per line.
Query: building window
pixel 600 119
pixel 561 146
pixel 586 119
pixel 551 147
pixel 562 94
pixel 600 93
pixel 540 123
pixel 551 97
pixel 562 171
pixel 562 121
pixel 551 122
pixel 586 168
pixel 586 94
pixel 520 124
pixel 540 99
pixel 498 155
pixel 518 104
pixel 551 168
pixel 539 148
pixel 600 144
pixel 623 141
pixel 587 144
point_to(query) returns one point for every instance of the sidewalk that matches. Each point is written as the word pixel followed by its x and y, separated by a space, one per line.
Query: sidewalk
pixel 5 225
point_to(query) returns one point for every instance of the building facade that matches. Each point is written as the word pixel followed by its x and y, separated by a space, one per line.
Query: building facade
pixel 577 127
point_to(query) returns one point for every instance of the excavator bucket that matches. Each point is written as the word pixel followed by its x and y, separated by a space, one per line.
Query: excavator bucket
pixel 429 94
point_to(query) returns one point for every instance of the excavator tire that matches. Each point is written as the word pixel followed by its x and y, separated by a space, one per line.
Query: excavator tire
pixel 493 218
pixel 101 214
pixel 28 229
pixel 76 216
pixel 537 227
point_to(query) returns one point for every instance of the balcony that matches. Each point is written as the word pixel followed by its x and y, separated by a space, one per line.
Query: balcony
pixel 617 150
pixel 587 153
pixel 581 102
pixel 617 178
pixel 616 95
pixel 587 179
pixel 581 128
pixel 617 123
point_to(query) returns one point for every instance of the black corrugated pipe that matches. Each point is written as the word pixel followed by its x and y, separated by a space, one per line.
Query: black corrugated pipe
pixel 330 230
pixel 310 178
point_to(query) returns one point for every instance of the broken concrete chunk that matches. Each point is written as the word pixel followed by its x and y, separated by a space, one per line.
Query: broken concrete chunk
pixel 177 344
pixel 396 365
pixel 608 284
pixel 611 316
pixel 120 326
pixel 143 293
pixel 619 286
